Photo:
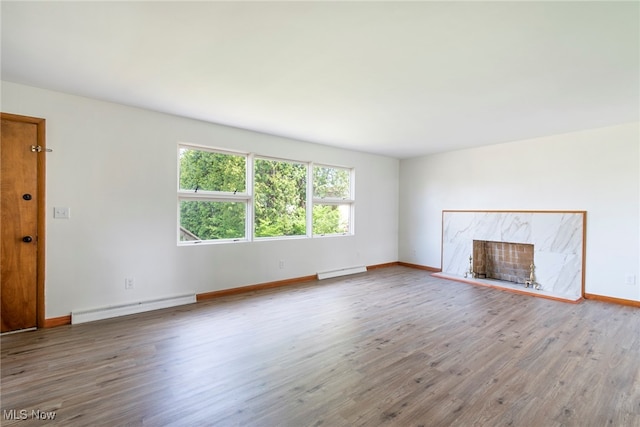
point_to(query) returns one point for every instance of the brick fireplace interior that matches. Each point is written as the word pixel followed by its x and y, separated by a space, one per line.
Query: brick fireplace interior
pixel 502 260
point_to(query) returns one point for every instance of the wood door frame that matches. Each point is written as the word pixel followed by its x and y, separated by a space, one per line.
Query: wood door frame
pixel 41 209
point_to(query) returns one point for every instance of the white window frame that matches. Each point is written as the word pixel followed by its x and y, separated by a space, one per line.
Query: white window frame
pixel 218 196
pixel 248 197
pixel 307 227
pixel 336 201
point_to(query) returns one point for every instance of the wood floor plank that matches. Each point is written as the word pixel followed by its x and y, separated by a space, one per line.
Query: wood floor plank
pixel 390 347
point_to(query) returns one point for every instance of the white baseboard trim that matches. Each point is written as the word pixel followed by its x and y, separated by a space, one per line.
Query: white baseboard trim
pixel 341 272
pixel 83 316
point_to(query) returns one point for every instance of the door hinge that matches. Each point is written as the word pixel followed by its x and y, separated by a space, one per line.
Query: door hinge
pixel 38 149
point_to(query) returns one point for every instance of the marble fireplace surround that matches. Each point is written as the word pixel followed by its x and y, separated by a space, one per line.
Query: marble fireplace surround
pixel 559 247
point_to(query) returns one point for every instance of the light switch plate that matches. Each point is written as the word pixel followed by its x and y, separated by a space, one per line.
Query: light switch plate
pixel 61 213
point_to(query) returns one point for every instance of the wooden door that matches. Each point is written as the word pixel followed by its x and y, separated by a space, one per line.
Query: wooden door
pixel 21 221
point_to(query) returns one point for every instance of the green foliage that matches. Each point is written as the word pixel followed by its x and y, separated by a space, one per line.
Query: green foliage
pixel 326 220
pixel 280 198
pixel 212 220
pixel 212 171
pixel 207 171
pixel 280 189
pixel 331 182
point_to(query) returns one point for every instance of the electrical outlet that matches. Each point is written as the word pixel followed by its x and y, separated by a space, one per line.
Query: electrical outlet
pixel 281 264
pixel 128 283
pixel 630 279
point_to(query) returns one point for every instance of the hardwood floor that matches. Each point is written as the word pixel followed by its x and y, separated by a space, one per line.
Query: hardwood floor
pixel 391 347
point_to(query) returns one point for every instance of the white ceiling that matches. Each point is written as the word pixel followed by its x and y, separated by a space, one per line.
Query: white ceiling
pixel 401 79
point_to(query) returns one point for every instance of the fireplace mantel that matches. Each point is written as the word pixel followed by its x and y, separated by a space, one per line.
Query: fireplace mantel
pixel 558 238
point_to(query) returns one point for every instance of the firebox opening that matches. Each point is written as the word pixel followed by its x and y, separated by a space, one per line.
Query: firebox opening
pixel 506 261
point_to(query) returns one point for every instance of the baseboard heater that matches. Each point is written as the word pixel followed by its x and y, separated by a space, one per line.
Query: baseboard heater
pixel 341 272
pixel 84 316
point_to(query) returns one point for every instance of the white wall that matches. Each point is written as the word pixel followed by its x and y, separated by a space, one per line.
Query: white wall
pixel 594 170
pixel 116 168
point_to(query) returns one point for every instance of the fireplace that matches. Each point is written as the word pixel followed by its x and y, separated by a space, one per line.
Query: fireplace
pixel 553 241
pixel 506 261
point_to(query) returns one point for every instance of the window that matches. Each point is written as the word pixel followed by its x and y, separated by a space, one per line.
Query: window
pixel 225 196
pixel 212 195
pixel 280 198
pixel 332 200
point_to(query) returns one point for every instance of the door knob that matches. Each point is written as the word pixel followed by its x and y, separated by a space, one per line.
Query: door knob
pixel 27 239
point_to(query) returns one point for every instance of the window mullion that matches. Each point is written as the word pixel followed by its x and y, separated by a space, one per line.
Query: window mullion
pixel 352 203
pixel 250 226
pixel 331 201
pixel 309 201
pixel 216 197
